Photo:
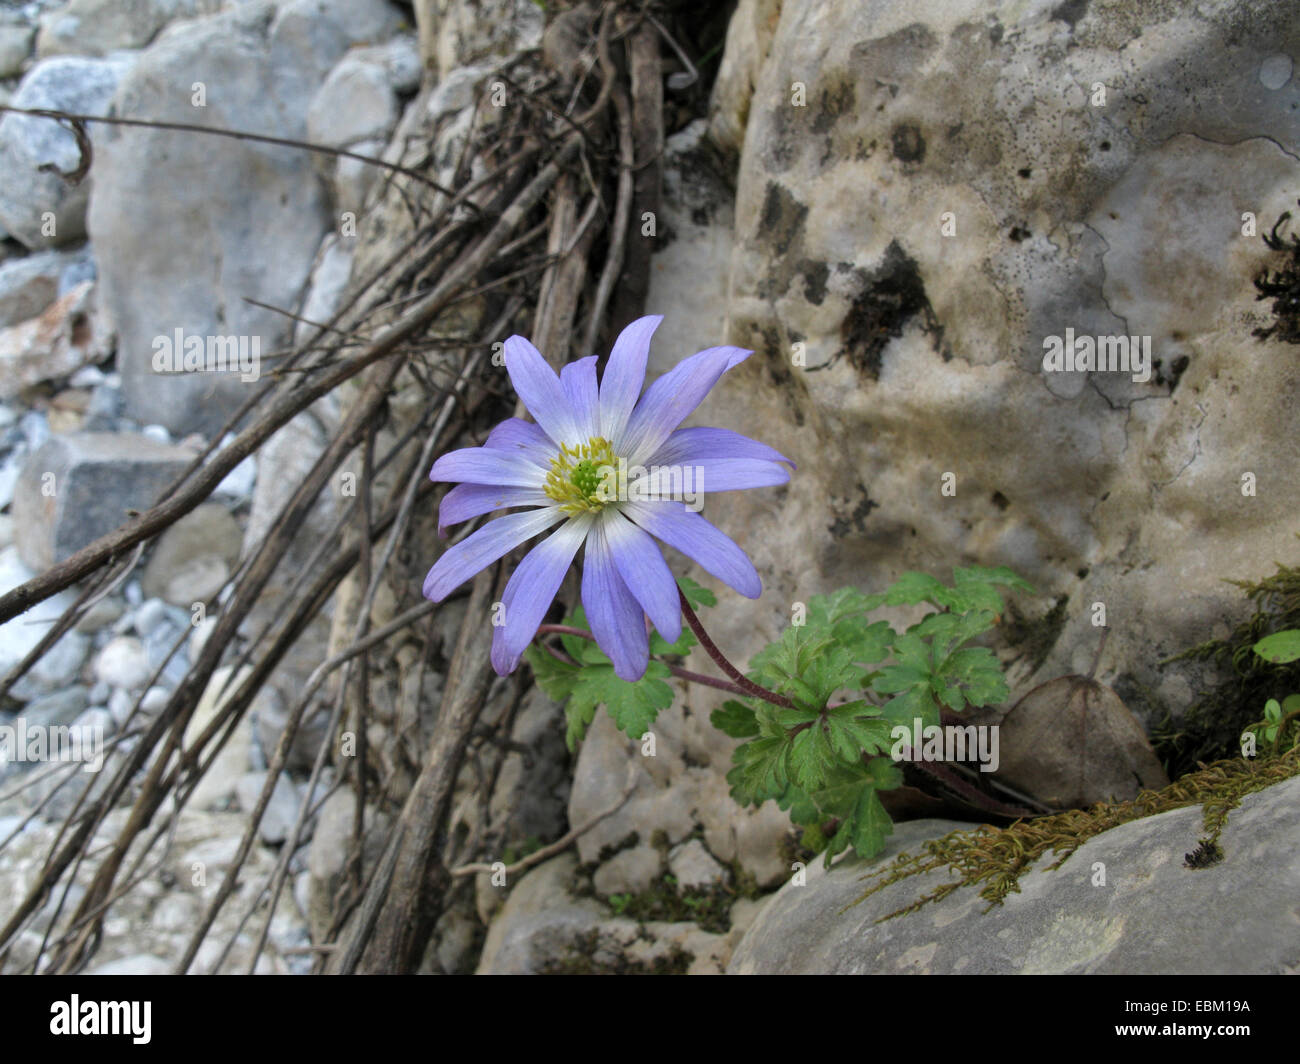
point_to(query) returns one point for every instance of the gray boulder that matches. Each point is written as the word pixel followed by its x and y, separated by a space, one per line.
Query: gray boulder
pixel 255 210
pixel 30 284
pixel 78 487
pixel 39 208
pixel 1124 902
pixel 97 27
pixel 15 46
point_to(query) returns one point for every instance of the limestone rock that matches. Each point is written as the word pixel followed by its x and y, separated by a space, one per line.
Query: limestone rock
pixel 629 871
pixel 78 487
pixel 70 334
pixel 15 46
pixel 97 27
pixel 28 195
pixel 1147 918
pixel 193 558
pixel 30 284
pixel 926 195
pixel 694 867
pixel 256 212
pixel 217 787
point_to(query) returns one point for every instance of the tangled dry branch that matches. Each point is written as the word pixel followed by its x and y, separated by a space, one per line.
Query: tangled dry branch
pixel 533 232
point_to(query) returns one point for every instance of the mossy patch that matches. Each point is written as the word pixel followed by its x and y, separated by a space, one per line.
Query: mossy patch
pixel 665 901
pixel 997 857
pixel 590 955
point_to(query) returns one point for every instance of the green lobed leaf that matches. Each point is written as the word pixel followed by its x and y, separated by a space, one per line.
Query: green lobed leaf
pixel 851 797
pixel 583 651
pixel 1001 575
pixel 915 704
pixel 976 671
pixel 947 630
pixel 578 717
pixel 735 719
pixel 696 595
pixel 911 589
pixel 805 665
pixel 842 614
pixel 633 705
pixel 811 758
pixel 865 829
pixel 759 770
pixel 660 646
pixel 855 727
pixel 802 809
pixel 553 676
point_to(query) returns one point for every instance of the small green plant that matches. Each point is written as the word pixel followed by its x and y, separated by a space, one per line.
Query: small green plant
pixel 1280 728
pixel 822 709
pixel 852 683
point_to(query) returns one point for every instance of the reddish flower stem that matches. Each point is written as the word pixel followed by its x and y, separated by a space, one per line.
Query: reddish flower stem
pixel 747 685
pixel 676 670
pixel 742 686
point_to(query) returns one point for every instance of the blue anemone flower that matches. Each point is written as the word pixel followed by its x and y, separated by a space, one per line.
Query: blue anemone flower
pixel 614 472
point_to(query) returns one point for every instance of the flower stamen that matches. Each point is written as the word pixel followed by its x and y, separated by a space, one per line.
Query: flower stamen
pixel 582 478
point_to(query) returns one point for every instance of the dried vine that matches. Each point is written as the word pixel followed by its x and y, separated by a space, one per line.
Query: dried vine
pixel 532 230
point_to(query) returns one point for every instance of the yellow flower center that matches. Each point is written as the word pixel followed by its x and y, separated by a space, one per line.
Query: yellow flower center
pixel 583 479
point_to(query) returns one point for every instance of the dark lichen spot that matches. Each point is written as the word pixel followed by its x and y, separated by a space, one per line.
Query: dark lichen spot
pixel 1000 500
pixel 890 298
pixel 1282 286
pixel 1082 574
pixel 1070 12
pixel 782 218
pixel 856 521
pixel 815 275
pixel 1104 145
pixel 834 102
pixel 1035 637
pixel 1176 370
pixel 1019 233
pixel 1025 171
pixel 908 144
pixel 625 843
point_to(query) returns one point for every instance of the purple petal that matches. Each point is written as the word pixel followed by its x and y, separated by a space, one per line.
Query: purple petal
pixel 540 389
pixel 642 567
pixel 479 465
pixel 689 533
pixel 624 376
pixel 686 446
pixel 469 500
pixel 672 397
pixel 579 382
pixel 480 549
pixel 531 590
pixel 520 437
pixel 718 474
pixel 617 620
